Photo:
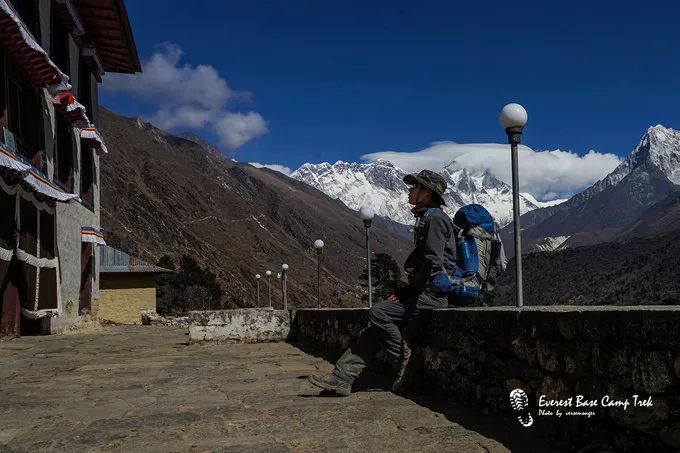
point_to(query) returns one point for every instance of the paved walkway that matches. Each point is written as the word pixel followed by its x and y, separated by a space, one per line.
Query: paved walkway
pixel 144 389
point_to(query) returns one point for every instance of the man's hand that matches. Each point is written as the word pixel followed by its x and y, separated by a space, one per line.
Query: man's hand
pixel 393 298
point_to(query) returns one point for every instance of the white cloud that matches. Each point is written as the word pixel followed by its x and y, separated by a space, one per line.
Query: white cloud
pixel 235 129
pixel 172 116
pixel 276 167
pixel 189 97
pixel 544 174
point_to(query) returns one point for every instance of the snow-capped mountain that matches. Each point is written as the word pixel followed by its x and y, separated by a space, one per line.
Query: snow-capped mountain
pixel 659 147
pixel 611 206
pixel 379 186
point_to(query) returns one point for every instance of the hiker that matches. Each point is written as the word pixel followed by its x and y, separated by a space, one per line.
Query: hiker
pixel 411 305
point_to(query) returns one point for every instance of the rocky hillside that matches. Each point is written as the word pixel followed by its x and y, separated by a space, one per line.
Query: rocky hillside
pixel 637 271
pixel 163 194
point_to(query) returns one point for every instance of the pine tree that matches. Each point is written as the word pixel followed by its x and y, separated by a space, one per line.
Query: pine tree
pixel 189 287
pixel 385 277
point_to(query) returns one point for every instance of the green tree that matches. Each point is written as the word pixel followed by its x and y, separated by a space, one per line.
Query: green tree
pixel 189 287
pixel 385 277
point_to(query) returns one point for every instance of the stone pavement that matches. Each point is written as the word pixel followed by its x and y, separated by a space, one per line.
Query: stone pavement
pixel 145 389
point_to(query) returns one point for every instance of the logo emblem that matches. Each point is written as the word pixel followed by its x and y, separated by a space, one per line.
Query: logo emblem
pixel 520 405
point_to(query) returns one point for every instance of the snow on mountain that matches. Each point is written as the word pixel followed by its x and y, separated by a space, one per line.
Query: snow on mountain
pixel 660 147
pixel 379 186
pixel 618 203
pixel 549 244
pixel 543 204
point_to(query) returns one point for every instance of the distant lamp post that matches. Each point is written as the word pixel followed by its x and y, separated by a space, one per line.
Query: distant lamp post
pixel 513 118
pixel 257 277
pixel 284 276
pixel 367 215
pixel 269 285
pixel 318 246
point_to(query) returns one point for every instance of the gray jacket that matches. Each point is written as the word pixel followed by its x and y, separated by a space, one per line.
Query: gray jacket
pixel 434 250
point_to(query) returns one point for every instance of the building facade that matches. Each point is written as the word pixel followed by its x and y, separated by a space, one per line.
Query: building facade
pixel 127 287
pixel 53 53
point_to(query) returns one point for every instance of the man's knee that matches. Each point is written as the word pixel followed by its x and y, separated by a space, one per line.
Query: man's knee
pixel 378 314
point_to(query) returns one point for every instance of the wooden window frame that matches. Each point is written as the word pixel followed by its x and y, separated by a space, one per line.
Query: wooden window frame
pixel 60 44
pixel 87 168
pixel 85 88
pixel 24 114
pixel 64 154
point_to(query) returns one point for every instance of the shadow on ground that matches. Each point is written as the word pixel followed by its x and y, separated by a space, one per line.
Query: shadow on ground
pixel 501 427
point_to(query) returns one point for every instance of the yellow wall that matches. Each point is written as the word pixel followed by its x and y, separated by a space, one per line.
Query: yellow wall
pixel 122 297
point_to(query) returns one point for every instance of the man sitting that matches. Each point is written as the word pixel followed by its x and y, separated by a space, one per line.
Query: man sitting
pixel 433 252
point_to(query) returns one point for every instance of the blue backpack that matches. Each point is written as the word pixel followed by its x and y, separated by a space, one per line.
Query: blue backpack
pixel 480 257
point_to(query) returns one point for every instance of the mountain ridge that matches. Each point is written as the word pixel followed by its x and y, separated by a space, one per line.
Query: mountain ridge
pixel 164 194
pixel 379 185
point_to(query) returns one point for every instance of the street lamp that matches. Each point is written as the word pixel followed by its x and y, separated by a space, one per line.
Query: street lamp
pixel 269 284
pixel 367 215
pixel 284 275
pixel 318 246
pixel 257 277
pixel 513 118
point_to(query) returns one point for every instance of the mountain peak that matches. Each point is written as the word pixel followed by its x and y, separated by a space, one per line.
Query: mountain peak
pixel 660 147
pixel 660 128
pixel 661 134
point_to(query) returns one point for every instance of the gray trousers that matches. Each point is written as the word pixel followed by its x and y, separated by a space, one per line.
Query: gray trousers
pixel 386 319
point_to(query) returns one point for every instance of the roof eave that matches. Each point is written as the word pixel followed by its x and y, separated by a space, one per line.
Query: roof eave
pixel 127 30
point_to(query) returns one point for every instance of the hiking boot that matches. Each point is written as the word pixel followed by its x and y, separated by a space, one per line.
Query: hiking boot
pixel 406 371
pixel 331 383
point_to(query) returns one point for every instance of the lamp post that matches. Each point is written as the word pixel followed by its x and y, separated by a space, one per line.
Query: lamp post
pixel 257 277
pixel 367 215
pixel 513 118
pixel 284 276
pixel 269 285
pixel 318 246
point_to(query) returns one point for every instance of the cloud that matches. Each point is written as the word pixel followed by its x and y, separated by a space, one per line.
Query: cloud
pixel 276 167
pixel 189 96
pixel 544 174
pixel 173 116
pixel 235 129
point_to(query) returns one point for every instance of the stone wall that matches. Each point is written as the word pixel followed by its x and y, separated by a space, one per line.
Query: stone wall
pixel 606 355
pixel 151 318
pixel 245 325
pixel 124 296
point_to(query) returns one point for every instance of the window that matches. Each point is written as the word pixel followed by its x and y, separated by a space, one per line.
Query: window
pixel 87 173
pixel 64 154
pixel 29 12
pixel 59 47
pixel 85 87
pixel 47 248
pixel 86 274
pixel 24 117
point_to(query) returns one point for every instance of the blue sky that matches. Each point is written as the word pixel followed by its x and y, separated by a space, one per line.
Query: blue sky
pixel 327 81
